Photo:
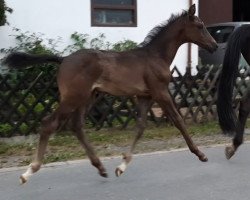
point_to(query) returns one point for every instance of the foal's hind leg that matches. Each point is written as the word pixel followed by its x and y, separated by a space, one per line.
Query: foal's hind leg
pixel 77 124
pixel 238 138
pixel 164 99
pixel 143 106
pixel 49 125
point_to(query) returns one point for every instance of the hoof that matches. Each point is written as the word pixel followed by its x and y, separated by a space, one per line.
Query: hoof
pixel 104 174
pixel 118 172
pixel 229 152
pixel 203 158
pixel 22 180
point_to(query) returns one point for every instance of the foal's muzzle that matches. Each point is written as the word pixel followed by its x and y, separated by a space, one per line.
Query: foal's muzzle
pixel 212 47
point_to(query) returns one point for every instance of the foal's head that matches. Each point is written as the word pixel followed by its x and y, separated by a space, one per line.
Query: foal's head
pixel 196 32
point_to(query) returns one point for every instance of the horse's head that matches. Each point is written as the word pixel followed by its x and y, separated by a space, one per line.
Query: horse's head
pixel 196 32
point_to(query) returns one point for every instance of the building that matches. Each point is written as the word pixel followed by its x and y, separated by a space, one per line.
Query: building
pixel 224 11
pixel 117 19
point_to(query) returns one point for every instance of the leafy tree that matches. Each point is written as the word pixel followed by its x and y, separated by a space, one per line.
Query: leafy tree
pixel 3 9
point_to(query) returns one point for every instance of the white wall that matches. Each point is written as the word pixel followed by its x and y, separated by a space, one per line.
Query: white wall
pixel 63 17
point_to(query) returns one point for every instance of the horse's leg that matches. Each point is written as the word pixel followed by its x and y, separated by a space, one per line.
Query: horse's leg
pixel 77 125
pixel 48 126
pixel 143 107
pixel 238 138
pixel 165 101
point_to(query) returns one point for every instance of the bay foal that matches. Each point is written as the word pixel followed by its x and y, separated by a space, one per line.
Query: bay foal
pixel 142 72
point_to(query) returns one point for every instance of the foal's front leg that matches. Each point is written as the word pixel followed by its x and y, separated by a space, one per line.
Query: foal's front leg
pixel 143 106
pixel 164 99
pixel 77 124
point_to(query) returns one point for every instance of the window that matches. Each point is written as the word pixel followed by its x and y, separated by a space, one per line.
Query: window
pixel 220 33
pixel 113 13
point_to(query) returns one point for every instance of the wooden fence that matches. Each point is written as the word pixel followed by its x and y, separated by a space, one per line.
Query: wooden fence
pixel 28 95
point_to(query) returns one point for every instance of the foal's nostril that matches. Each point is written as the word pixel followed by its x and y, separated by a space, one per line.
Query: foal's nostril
pixel 212 47
pixel 216 46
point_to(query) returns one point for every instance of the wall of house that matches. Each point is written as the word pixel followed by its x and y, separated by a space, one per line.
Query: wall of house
pixel 222 11
pixel 61 18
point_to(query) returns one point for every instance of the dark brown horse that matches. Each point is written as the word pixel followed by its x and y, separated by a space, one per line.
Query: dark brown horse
pixel 239 42
pixel 142 72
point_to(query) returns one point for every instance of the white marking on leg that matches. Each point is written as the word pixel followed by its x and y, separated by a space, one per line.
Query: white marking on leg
pixel 121 168
pixel 25 176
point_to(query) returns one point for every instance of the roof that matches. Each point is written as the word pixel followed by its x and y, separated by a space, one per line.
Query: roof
pixel 229 24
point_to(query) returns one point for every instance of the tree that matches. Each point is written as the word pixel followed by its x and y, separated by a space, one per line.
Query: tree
pixel 3 9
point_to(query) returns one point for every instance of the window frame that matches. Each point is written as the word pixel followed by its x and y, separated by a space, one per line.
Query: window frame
pixel 213 29
pixel 132 8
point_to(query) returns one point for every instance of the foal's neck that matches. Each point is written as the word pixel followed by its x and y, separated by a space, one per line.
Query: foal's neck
pixel 167 45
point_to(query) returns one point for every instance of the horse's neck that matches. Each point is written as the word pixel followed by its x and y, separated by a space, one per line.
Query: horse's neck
pixel 167 47
pixel 171 48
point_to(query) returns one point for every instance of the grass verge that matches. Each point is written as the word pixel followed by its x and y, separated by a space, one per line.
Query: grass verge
pixel 107 142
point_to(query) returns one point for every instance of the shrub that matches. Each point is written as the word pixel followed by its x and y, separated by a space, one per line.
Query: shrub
pixel 83 41
pixel 5 129
pixel 32 43
pixel 124 45
pixel 3 9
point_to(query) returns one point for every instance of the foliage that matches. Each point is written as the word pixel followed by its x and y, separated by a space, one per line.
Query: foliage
pixel 30 100
pixel 32 43
pixel 99 42
pixel 79 42
pixel 24 128
pixel 83 41
pixel 5 129
pixel 3 9
pixel 124 45
pixel 36 44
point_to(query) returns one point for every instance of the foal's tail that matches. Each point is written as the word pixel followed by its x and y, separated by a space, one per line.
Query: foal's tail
pixel 227 117
pixel 21 60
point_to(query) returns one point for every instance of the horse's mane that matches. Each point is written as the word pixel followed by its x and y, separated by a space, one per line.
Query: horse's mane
pixel 162 28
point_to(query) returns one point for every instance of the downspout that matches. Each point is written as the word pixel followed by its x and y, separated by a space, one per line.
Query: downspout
pixel 189 53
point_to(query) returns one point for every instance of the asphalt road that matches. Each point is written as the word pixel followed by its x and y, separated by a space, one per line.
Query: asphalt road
pixel 161 176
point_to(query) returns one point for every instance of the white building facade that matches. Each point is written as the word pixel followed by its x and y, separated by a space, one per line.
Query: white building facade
pixel 61 18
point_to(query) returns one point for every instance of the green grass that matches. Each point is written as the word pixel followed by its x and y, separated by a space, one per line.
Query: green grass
pixel 64 146
pixel 205 128
pixel 12 149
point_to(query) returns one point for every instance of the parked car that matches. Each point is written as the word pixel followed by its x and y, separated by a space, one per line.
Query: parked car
pixel 220 33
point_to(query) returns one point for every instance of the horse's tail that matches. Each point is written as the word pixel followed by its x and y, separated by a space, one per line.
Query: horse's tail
pixel 227 117
pixel 21 60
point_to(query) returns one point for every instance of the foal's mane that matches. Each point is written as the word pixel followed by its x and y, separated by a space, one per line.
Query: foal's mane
pixel 162 28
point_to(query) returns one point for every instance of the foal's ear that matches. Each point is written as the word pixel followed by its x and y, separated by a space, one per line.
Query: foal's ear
pixel 191 10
